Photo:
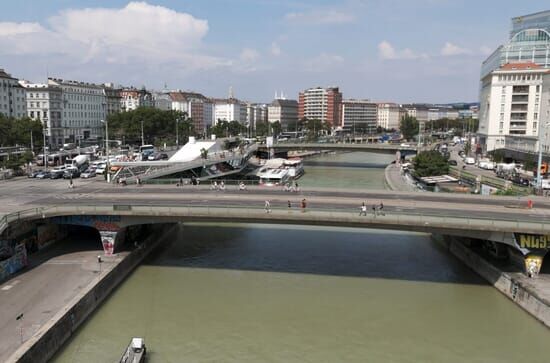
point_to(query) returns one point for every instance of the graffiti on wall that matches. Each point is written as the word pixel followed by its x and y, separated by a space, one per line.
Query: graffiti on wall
pixel 15 262
pixel 108 241
pixel 101 223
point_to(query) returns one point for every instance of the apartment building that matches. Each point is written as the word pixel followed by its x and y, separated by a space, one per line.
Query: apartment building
pixel 45 103
pixel 84 107
pixel 321 103
pixel 12 96
pixel 359 116
pixel 132 98
pixel 285 111
pixel 390 115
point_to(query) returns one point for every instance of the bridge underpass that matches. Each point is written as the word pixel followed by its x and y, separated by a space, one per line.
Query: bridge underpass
pixel 517 228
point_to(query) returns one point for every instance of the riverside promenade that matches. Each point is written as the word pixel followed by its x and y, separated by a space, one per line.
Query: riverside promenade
pixel 533 295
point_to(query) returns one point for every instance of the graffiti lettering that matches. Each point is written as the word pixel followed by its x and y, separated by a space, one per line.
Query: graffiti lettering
pixel 533 241
pixel 106 226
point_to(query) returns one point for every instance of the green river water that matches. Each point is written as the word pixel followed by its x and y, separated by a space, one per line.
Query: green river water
pixel 263 293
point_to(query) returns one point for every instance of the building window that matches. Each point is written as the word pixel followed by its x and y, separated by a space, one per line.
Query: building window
pixel 534 125
pixel 535 116
pixel 501 125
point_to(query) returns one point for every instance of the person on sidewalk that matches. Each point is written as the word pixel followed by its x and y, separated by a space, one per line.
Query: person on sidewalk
pixel 363 210
pixel 267 206
pixel 304 205
pixel 381 209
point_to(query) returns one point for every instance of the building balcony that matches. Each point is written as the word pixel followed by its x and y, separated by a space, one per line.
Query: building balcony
pixel 520 99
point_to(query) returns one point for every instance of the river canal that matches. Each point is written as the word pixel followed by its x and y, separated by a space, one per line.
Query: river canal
pixel 259 293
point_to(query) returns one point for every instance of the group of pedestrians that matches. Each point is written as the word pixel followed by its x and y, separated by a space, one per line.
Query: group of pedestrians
pixel 377 209
pixel 218 186
pixel 294 187
pixel 302 204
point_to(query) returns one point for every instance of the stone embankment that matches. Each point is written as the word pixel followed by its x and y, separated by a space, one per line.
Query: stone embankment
pixel 49 339
pixel 532 295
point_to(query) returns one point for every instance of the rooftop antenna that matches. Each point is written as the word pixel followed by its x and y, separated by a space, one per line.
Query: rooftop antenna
pixel 231 92
pixel 276 95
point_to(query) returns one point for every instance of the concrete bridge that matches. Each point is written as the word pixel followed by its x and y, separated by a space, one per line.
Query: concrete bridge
pixel 370 147
pixel 503 221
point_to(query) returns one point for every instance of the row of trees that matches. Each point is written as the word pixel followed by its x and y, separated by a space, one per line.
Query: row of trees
pixel 18 132
pixel 409 126
pixel 158 126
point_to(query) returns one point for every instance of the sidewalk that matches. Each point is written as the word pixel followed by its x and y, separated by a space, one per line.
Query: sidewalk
pixel 396 181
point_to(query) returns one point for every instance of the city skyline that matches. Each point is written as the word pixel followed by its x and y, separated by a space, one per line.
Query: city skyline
pixel 368 49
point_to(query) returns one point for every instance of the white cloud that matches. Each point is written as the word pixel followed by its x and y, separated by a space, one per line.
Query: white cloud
pixel 10 29
pixel 485 50
pixel 138 32
pixel 275 49
pixel 387 51
pixel 249 55
pixel 320 17
pixel 450 49
pixel 323 62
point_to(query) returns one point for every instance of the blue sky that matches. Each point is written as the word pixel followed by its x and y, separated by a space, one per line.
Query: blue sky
pixel 384 50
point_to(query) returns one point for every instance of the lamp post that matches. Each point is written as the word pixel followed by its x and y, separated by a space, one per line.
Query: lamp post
pixel 539 164
pixel 142 139
pixel 177 132
pixel 45 156
pixel 108 168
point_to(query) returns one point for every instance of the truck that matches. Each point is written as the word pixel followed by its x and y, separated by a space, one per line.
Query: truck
pixel 80 162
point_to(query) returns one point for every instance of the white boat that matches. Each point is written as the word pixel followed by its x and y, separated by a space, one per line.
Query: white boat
pixel 135 352
pixel 280 171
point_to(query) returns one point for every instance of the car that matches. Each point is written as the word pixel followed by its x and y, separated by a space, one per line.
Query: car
pixel 90 173
pixel 157 156
pixel 71 173
pixel 34 174
pixel 469 161
pixel 100 169
pixel 43 175
pixel 453 162
pixel 405 145
pixel 56 174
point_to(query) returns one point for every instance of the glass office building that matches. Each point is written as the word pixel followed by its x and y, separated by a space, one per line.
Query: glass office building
pixel 529 42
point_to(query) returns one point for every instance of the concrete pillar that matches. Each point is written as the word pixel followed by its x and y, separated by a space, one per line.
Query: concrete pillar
pixel 533 263
pixel 108 240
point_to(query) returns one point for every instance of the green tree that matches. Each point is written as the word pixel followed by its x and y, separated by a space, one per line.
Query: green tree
pixel 314 127
pixel 430 163
pixel 409 127
pixel 261 129
pixel 158 126
pixel 498 155
pixel 276 128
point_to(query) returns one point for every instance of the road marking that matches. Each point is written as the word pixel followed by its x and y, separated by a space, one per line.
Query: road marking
pixel 7 287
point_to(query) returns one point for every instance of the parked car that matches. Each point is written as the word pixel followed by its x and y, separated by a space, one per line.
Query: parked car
pixel 158 156
pixel 453 162
pixel 100 169
pixel 90 173
pixel 56 174
pixel 469 161
pixel 71 173
pixel 43 175
pixel 34 174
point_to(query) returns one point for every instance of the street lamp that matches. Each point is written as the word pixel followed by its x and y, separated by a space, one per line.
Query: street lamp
pixel 177 133
pixel 142 139
pixel 539 164
pixel 108 168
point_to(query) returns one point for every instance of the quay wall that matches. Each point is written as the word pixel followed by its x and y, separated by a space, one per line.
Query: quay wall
pixel 517 291
pixel 51 337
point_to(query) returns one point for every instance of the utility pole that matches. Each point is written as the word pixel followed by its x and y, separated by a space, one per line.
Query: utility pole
pixel 45 156
pixel 32 145
pixel 142 139
pixel 177 132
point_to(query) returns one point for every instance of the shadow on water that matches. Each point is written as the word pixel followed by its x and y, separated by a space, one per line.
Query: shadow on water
pixel 320 251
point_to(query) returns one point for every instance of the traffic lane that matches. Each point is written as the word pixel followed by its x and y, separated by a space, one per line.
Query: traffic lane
pixel 352 206
pixel 418 197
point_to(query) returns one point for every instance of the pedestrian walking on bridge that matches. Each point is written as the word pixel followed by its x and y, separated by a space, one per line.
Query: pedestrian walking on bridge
pixel 304 205
pixel 363 209
pixel 267 206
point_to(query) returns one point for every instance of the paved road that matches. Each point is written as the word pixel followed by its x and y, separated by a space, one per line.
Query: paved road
pixel 53 279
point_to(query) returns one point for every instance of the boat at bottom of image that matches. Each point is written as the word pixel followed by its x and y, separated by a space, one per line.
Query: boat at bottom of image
pixel 135 352
pixel 280 171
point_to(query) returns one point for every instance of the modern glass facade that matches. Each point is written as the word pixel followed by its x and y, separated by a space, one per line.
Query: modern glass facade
pixel 529 42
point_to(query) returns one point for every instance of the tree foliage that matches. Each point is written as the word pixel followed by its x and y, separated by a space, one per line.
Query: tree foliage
pixel 225 129
pixel 18 132
pixel 158 126
pixel 409 127
pixel 430 163
pixel 314 127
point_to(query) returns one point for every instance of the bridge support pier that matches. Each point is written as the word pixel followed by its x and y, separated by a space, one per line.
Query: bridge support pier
pixel 533 263
pixel 109 241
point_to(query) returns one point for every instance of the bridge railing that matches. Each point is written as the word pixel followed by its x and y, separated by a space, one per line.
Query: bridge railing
pixel 315 215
